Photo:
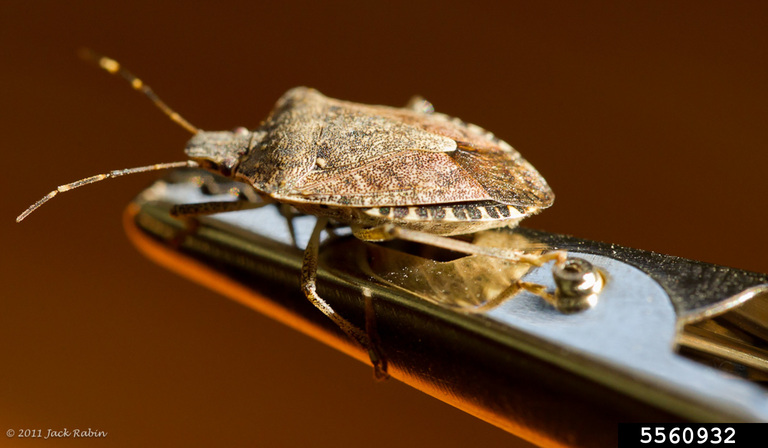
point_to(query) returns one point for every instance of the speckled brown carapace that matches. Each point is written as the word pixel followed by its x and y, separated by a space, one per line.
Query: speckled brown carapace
pixel 372 165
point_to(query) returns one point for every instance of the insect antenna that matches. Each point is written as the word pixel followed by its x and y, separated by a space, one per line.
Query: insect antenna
pixel 112 66
pixel 100 177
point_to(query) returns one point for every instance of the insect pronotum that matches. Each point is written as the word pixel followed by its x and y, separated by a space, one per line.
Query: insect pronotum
pixel 387 172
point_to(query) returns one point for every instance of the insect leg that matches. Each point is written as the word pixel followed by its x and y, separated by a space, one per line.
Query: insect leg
pixel 190 212
pixel 378 359
pixel 213 207
pixel 392 232
pixel 287 211
pixel 539 290
pixel 212 186
pixel 500 298
pixel 309 286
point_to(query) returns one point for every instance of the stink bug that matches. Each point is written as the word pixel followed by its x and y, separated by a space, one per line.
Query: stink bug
pixel 386 172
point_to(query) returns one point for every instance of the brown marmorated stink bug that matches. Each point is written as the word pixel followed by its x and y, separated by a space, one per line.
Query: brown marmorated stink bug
pixel 388 173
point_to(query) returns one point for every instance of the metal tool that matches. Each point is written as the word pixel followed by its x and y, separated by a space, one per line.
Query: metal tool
pixel 626 335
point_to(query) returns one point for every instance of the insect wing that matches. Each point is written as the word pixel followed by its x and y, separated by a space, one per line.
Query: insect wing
pixel 482 168
pixel 338 153
pixel 506 177
pixel 402 178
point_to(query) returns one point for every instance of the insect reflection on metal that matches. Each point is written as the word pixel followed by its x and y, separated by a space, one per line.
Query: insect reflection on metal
pixel 474 283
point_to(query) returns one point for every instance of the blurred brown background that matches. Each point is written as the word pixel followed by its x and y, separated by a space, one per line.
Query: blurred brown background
pixel 649 122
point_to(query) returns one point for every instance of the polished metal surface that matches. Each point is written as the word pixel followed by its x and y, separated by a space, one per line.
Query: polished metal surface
pixel 457 328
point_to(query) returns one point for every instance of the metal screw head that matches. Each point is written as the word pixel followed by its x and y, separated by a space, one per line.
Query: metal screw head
pixel 578 284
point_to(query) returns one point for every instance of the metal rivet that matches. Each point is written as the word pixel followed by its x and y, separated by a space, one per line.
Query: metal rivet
pixel 578 284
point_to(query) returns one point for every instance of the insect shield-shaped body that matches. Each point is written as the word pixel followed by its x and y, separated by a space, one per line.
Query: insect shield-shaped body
pixel 369 166
pixel 387 172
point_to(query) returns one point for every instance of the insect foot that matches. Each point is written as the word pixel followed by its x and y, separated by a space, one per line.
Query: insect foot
pixel 577 286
